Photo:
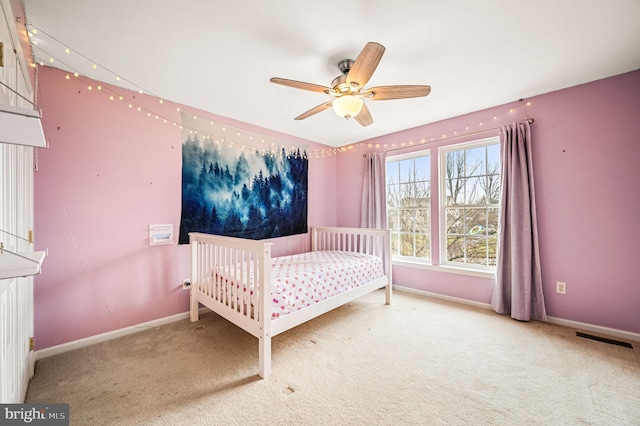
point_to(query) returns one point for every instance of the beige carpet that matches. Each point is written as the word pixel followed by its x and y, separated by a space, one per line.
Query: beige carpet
pixel 418 361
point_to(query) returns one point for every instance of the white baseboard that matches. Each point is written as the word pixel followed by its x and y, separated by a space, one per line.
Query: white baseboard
pixel 77 344
pixel 92 340
pixel 443 297
pixel 612 332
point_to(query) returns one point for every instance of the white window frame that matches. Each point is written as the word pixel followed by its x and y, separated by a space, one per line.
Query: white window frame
pixel 442 152
pixel 412 259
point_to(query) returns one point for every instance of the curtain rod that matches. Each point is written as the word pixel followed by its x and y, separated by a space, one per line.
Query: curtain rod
pixel 529 120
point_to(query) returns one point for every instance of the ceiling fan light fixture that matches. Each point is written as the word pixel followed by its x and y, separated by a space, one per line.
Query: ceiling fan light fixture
pixel 347 106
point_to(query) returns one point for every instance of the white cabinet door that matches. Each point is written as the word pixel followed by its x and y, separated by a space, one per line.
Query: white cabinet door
pixel 16 294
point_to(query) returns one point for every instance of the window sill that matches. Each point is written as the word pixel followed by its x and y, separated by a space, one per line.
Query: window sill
pixel 445 269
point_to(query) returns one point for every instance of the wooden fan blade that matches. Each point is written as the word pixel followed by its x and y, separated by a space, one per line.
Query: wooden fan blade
pixel 365 64
pixel 301 85
pixel 315 110
pixel 364 117
pixel 382 93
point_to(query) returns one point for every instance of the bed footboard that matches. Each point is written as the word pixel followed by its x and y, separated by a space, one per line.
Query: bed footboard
pixel 232 277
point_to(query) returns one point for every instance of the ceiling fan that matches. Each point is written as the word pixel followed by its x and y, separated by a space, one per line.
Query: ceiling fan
pixel 348 89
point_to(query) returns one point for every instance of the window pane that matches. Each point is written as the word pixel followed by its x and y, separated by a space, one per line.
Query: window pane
pixel 455 191
pixel 476 223
pixel 393 220
pixel 492 243
pixel 393 195
pixel 406 194
pixel 423 168
pixel 455 249
pixel 475 161
pixel 492 189
pixel 455 222
pixel 407 173
pixel 422 221
pixel 423 246
pixel 474 190
pixel 493 218
pixel 393 172
pixel 406 221
pixel 406 245
pixel 423 193
pixel 454 164
pixel 395 243
pixel 476 250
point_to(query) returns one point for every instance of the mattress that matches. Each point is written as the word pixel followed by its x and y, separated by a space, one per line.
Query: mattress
pixel 301 280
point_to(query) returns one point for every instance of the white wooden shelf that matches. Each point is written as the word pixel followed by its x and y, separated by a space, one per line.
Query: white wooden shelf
pixel 21 126
pixel 12 266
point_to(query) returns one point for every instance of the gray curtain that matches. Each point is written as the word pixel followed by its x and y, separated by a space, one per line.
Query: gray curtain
pixel 373 213
pixel 518 286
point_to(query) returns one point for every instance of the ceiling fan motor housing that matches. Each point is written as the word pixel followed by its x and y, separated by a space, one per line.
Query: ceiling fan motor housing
pixel 339 83
pixel 345 66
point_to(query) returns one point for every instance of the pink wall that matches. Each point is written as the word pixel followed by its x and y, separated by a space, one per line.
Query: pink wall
pixel 109 172
pixel 586 147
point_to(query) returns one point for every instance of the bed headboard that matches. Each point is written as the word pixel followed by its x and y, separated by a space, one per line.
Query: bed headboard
pixel 376 242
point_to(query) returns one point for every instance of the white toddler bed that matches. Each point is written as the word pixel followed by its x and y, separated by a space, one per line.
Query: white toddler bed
pixel 238 280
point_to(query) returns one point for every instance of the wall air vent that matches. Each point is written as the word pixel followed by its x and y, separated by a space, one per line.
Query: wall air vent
pixel 604 340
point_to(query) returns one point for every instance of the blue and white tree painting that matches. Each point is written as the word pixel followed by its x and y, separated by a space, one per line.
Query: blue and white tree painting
pixel 253 195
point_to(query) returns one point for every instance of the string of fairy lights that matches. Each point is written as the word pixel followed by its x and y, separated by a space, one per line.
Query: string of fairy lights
pixel 220 133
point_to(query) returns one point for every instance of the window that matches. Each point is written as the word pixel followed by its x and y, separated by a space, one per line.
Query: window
pixel 465 207
pixel 409 205
pixel 470 193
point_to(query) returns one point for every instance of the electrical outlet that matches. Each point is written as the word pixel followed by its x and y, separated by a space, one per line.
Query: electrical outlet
pixel 186 284
pixel 561 287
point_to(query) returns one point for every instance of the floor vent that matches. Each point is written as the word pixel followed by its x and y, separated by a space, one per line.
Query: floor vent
pixel 604 340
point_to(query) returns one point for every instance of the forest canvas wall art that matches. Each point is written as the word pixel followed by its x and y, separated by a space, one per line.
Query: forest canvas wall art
pixel 246 193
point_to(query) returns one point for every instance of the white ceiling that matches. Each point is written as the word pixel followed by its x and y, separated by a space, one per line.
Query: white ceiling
pixel 218 55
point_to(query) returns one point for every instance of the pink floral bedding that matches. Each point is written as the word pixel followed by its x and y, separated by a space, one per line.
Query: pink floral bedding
pixel 301 280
